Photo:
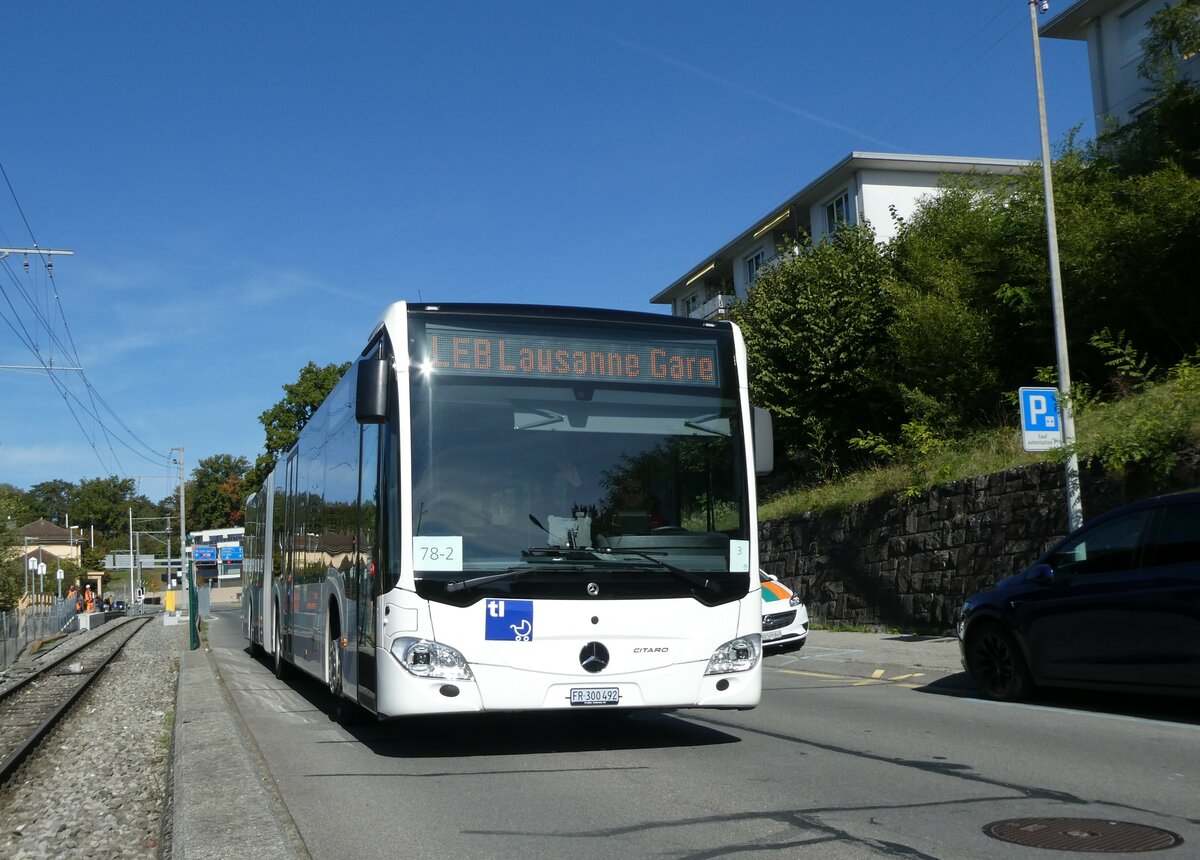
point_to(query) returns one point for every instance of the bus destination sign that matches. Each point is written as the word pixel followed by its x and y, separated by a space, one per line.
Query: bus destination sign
pixel 477 353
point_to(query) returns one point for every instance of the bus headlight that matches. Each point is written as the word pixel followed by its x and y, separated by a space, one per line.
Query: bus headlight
pixel 428 659
pixel 737 655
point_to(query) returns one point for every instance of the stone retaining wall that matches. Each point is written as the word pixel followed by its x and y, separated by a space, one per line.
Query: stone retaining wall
pixel 909 564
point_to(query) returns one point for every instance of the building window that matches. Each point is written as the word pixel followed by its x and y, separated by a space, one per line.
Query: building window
pixel 754 262
pixel 688 305
pixel 837 211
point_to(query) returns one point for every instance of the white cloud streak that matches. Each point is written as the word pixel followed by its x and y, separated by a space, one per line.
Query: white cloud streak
pixel 746 91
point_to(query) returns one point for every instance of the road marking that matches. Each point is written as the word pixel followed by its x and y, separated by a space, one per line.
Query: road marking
pixel 820 675
pixel 877 677
pixel 824 651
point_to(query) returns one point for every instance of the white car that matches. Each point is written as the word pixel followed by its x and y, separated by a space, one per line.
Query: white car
pixel 785 617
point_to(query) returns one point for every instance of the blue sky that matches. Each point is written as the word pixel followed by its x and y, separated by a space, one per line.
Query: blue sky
pixel 247 185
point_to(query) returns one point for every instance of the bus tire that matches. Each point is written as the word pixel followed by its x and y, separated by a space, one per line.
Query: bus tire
pixel 342 710
pixel 283 670
pixel 256 650
pixel 333 661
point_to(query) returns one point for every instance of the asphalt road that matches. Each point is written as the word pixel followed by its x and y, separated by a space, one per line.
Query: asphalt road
pixel 863 747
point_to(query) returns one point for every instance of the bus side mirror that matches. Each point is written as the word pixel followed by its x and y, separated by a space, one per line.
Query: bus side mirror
pixel 370 400
pixel 764 441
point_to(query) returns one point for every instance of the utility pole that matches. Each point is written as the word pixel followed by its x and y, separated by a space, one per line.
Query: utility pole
pixel 43 252
pixel 131 556
pixel 1074 502
pixel 193 621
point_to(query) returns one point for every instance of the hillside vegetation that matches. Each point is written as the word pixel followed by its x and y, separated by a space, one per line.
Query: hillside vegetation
pixel 893 367
pixel 1147 429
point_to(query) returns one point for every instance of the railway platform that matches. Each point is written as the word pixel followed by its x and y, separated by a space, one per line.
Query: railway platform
pixel 223 801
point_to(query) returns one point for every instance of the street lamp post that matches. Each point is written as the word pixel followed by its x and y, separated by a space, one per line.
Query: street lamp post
pixel 1071 471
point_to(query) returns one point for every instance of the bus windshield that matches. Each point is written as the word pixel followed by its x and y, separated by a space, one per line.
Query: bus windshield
pixel 535 452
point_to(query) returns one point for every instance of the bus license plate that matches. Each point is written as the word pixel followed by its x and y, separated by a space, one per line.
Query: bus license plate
pixel 595 695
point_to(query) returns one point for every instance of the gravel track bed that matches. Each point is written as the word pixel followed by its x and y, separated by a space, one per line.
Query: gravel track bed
pixel 97 784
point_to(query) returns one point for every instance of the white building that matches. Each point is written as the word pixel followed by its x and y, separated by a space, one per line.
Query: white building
pixel 863 186
pixel 1113 30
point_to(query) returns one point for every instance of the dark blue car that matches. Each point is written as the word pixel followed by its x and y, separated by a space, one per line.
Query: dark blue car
pixel 1114 605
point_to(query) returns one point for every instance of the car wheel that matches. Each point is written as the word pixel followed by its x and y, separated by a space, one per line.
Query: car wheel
pixel 996 663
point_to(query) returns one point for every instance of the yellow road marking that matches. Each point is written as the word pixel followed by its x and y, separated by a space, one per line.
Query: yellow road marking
pixel 877 677
pixel 820 675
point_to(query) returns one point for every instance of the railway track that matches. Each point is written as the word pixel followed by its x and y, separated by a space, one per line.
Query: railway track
pixel 30 708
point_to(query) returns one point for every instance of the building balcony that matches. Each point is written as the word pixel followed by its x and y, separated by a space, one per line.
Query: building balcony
pixel 714 308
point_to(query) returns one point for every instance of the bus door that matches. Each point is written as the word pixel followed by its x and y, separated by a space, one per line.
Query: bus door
pixel 366 568
pixel 291 532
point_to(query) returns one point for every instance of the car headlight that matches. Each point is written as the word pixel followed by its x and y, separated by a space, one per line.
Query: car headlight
pixel 736 655
pixel 795 600
pixel 428 659
pixel 962 618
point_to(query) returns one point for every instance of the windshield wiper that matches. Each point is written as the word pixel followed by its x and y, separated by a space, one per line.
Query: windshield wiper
pixel 698 424
pixel 511 573
pixel 571 560
pixel 697 579
pixel 559 553
pixel 547 417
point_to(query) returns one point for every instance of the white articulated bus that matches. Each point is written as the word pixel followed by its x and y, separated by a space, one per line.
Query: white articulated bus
pixel 509 508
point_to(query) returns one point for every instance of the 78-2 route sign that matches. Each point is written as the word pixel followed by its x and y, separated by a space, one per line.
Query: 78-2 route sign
pixel 1041 427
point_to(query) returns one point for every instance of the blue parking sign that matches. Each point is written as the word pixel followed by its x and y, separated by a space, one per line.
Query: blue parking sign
pixel 1041 427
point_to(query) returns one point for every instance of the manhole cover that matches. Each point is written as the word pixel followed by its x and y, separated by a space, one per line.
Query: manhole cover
pixel 1082 834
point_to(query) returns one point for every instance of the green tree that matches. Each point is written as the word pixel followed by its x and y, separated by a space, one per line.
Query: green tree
pixel 104 504
pixel 15 510
pixel 973 318
pixel 13 513
pixel 283 421
pixel 11 583
pixel 970 284
pixel 215 496
pixel 1169 129
pixel 51 499
pixel 816 328
pixel 1130 255
pixel 1173 35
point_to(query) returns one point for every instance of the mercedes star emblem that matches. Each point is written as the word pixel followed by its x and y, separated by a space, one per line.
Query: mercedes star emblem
pixel 593 657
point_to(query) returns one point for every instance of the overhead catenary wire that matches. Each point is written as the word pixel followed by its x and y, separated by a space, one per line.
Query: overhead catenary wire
pixel 1003 7
pixel 96 407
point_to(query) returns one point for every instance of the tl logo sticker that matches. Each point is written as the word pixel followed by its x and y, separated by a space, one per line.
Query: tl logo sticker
pixel 509 620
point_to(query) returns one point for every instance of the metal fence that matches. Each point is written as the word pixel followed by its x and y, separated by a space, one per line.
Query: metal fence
pixel 21 626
